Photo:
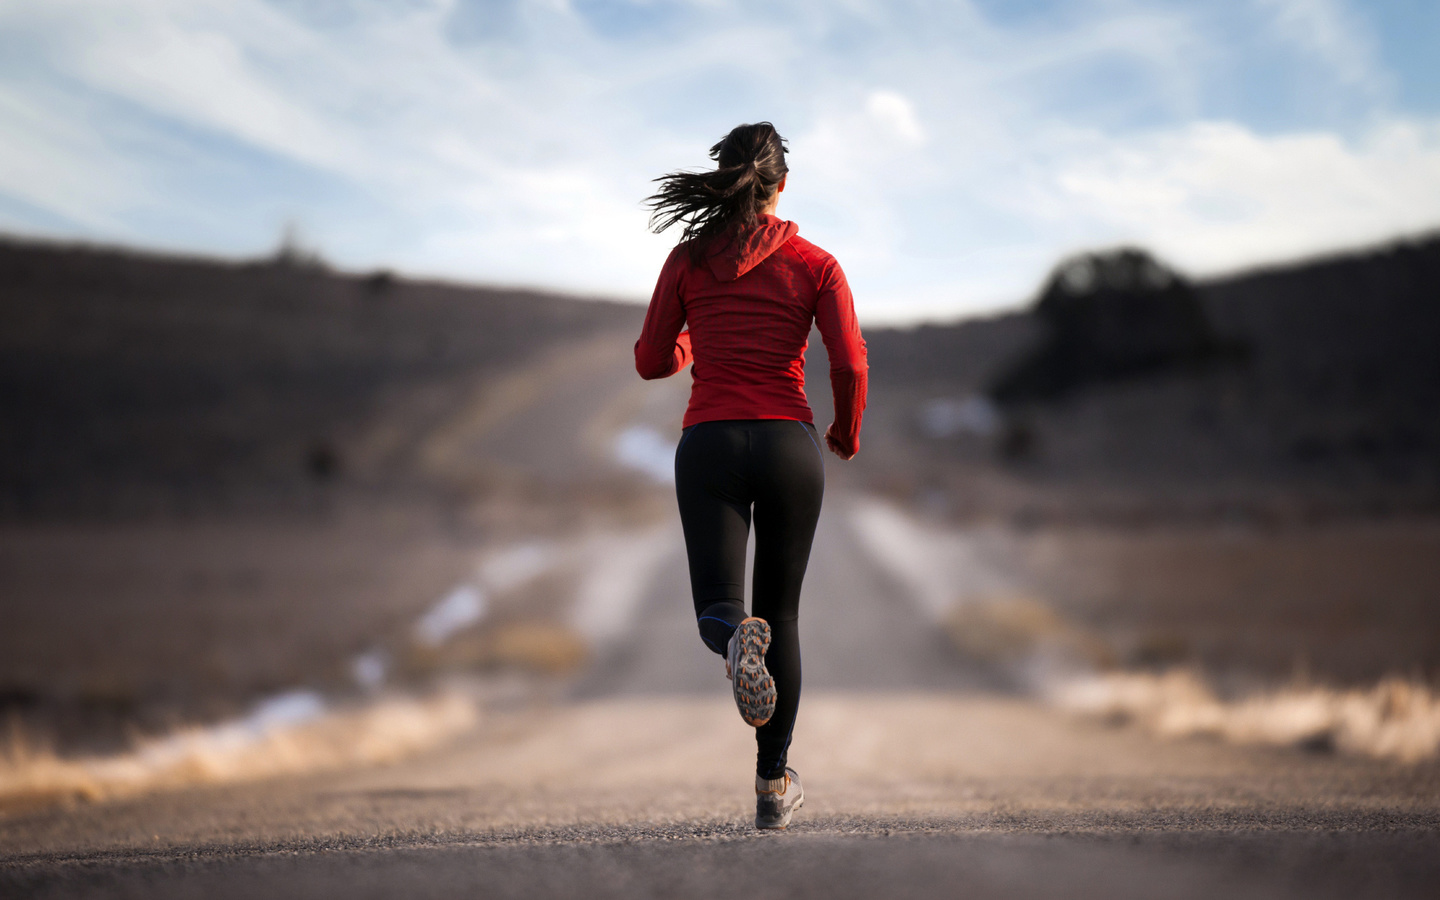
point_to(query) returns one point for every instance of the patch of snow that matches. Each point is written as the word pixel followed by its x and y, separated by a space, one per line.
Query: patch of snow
pixel 944 417
pixel 369 669
pixel 459 609
pixel 645 450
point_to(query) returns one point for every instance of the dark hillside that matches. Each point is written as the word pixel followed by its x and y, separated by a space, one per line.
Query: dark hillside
pixel 1351 347
pixel 133 383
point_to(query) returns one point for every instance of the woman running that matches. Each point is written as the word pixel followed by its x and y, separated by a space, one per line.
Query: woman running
pixel 748 288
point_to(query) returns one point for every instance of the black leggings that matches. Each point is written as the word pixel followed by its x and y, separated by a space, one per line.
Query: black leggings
pixel 722 469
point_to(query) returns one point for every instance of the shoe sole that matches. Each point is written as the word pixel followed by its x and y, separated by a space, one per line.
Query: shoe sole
pixel 753 686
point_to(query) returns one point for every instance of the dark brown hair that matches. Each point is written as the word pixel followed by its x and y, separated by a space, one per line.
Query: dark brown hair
pixel 750 163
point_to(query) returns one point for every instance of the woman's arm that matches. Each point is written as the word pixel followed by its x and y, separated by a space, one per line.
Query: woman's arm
pixel 849 370
pixel 663 349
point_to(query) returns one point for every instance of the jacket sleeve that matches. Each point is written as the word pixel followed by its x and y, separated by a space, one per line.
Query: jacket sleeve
pixel 849 370
pixel 663 349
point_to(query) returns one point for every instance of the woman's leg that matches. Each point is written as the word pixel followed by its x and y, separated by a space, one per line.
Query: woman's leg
pixel 721 469
pixel 789 484
pixel 715 503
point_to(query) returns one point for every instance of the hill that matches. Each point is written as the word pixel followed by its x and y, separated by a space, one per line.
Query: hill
pixel 133 384
pixel 1307 390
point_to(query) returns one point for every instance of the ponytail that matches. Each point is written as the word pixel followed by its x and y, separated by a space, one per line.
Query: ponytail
pixel 750 164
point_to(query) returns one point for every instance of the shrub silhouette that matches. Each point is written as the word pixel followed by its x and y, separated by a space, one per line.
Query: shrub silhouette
pixel 1108 317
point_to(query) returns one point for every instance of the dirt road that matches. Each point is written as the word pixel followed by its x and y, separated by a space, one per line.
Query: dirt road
pixel 924 777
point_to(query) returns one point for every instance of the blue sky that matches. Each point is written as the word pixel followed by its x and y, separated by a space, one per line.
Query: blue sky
pixel 948 153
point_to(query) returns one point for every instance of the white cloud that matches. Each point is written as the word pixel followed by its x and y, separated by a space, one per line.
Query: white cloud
pixel 1215 195
pixel 894 112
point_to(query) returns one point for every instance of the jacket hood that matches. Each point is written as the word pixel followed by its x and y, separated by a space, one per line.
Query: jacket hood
pixel 730 258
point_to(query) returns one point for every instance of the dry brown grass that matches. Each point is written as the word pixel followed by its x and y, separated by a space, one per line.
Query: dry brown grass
pixel 1395 719
pixel 32 775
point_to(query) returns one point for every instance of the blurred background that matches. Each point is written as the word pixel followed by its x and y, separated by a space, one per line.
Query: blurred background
pixel 317 402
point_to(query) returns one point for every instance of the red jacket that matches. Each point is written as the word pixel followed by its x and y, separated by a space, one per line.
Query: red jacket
pixel 749 306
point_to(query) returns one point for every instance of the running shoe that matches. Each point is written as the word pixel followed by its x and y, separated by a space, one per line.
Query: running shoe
pixel 777 799
pixel 745 667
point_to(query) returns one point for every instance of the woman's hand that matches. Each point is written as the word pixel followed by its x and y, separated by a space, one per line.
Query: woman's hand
pixel 834 443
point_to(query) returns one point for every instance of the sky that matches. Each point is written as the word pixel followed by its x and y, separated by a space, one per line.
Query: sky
pixel 949 154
